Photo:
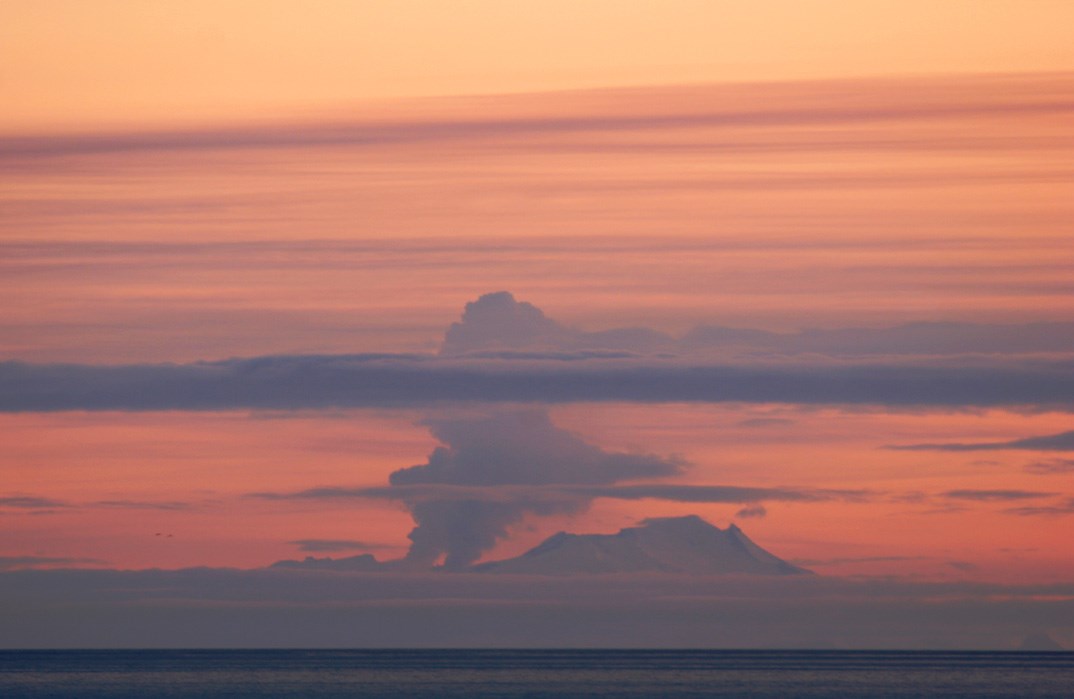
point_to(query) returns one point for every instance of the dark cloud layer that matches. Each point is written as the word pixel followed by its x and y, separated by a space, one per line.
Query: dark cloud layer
pixel 318 381
pixel 504 350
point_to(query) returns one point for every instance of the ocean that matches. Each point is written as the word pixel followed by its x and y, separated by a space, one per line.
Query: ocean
pixel 532 673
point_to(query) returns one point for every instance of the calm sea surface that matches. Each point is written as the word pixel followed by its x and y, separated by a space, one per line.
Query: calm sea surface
pixel 531 673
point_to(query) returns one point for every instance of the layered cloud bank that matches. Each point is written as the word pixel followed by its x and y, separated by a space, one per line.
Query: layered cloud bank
pixel 507 351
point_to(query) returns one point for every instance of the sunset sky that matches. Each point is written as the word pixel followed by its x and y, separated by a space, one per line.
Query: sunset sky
pixel 804 266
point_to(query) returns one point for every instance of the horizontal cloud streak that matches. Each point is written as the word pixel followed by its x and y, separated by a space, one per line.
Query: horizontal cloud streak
pixel 639 109
pixel 571 493
pixel 30 502
pixel 41 503
pixel 331 545
pixel 143 505
pixel 326 381
pixel 1063 441
pixel 29 562
pixel 995 495
pixel 1059 509
pixel 853 560
pixel 1052 466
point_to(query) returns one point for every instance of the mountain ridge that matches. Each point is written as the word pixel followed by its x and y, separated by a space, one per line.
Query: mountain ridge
pixel 669 545
pixel 678 545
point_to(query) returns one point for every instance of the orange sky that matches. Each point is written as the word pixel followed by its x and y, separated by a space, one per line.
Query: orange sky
pixel 74 65
pixel 115 475
pixel 817 203
pixel 239 182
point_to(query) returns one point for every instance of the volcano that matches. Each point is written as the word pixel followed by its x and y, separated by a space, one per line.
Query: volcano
pixel 688 545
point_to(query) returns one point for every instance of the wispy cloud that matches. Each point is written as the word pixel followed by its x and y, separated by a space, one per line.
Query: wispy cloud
pixel 332 545
pixel 612 111
pixel 142 504
pixel 1064 441
pixel 552 493
pixel 1050 466
pixel 30 562
pixel 765 422
pixel 854 560
pixel 31 502
pixel 1059 509
pixel 37 502
pixel 995 495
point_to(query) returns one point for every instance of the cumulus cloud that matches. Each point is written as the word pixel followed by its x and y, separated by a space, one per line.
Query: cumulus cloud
pixel 497 321
pixel 1063 441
